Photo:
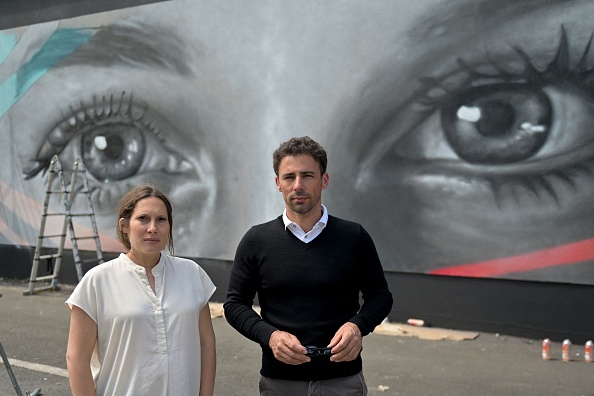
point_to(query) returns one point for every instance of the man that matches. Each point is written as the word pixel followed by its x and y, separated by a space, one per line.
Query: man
pixel 308 269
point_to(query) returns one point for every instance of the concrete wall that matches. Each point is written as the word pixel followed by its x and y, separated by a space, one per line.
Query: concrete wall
pixel 556 308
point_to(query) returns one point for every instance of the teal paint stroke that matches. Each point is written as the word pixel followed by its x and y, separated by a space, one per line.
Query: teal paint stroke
pixel 59 45
pixel 7 44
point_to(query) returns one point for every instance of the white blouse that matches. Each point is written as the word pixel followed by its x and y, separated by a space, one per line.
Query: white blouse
pixel 148 343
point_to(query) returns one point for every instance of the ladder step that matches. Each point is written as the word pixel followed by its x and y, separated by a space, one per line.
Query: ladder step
pixel 84 237
pixel 66 214
pixel 45 278
pixel 47 256
pixel 68 192
pixel 91 260
pixel 52 236
pixel 42 288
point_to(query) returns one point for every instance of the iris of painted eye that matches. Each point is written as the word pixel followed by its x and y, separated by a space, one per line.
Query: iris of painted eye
pixel 497 125
pixel 113 152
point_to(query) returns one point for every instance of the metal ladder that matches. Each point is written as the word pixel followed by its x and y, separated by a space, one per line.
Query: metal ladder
pixel 68 196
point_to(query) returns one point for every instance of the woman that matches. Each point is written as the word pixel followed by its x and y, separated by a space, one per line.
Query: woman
pixel 140 323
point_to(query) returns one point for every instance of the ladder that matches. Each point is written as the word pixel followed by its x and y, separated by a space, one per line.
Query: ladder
pixel 68 195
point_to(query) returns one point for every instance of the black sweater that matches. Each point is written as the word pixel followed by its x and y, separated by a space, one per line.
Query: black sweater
pixel 307 289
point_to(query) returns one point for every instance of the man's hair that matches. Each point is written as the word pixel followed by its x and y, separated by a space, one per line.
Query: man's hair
pixel 300 145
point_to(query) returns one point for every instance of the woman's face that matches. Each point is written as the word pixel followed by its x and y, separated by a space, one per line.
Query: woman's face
pixel 148 228
pixel 457 131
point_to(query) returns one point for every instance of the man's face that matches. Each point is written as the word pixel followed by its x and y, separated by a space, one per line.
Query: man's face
pixel 300 182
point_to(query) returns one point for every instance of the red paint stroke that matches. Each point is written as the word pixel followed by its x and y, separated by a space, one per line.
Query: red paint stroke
pixel 29 212
pixel 570 253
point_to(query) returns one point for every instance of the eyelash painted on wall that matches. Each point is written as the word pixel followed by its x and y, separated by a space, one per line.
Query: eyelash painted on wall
pixel 78 120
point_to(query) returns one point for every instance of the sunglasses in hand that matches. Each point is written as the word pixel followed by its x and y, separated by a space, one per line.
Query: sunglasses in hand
pixel 315 351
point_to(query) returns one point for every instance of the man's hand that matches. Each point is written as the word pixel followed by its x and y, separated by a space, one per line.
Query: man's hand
pixel 287 348
pixel 346 343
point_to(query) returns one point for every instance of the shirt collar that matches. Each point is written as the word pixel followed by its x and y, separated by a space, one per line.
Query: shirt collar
pixel 323 220
pixel 155 270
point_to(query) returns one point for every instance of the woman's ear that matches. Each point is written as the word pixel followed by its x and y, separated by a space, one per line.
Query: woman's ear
pixel 121 225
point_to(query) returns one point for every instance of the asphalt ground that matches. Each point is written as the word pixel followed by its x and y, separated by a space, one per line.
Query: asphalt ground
pixel 34 333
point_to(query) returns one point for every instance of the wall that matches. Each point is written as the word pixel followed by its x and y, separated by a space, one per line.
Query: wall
pixel 457 135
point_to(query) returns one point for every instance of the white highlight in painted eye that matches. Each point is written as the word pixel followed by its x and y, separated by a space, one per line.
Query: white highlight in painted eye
pixel 100 142
pixel 470 114
pixel 528 127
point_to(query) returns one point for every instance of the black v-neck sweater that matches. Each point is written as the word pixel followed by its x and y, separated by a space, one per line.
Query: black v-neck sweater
pixel 307 289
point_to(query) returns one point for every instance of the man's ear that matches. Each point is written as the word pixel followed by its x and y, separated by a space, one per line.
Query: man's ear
pixel 325 180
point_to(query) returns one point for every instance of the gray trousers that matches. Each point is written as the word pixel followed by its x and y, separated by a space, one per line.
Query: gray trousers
pixel 345 386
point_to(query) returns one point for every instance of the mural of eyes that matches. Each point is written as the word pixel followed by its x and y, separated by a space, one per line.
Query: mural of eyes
pixel 120 141
pixel 525 128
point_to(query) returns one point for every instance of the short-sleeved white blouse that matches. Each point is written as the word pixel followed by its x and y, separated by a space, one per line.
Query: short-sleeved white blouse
pixel 148 343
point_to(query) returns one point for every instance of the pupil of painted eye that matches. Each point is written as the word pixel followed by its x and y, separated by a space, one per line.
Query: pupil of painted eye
pixel 497 119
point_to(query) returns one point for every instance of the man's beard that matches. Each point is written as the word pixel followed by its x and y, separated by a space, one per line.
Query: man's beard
pixel 301 208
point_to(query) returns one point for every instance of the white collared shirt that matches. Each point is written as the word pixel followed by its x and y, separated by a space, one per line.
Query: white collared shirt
pixel 298 231
pixel 148 342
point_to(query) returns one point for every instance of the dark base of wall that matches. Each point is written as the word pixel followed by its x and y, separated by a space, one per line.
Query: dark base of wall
pixel 14 13
pixel 521 308
pixel 518 308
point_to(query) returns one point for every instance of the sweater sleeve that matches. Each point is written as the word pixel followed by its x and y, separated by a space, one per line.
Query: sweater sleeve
pixel 377 298
pixel 243 285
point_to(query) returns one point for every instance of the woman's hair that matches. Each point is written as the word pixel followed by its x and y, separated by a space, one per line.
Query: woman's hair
pixel 128 203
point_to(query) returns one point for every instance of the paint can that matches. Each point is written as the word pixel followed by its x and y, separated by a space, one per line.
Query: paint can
pixel 416 322
pixel 566 351
pixel 588 351
pixel 546 349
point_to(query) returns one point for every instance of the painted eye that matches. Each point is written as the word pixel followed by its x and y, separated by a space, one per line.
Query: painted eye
pixel 115 134
pixel 120 140
pixel 511 128
pixel 497 124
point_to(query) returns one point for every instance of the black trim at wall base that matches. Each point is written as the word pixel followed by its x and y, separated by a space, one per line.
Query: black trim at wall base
pixel 518 308
pixel 521 308
pixel 15 13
